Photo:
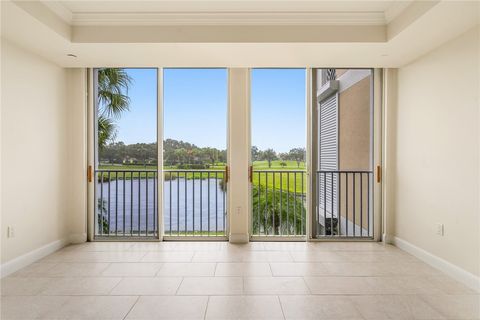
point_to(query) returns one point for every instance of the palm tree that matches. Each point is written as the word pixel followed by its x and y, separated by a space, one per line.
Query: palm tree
pixel 112 101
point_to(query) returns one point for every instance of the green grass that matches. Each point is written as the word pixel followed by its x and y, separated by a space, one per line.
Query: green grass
pixel 285 181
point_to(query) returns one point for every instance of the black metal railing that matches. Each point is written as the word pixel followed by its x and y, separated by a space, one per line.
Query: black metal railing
pixel 344 204
pixel 126 203
pixel 278 202
pixel 194 203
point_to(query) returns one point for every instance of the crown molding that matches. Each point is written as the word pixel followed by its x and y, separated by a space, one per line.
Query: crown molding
pixel 60 10
pixel 228 18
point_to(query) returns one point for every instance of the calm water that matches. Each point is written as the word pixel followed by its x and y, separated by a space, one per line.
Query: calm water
pixel 188 205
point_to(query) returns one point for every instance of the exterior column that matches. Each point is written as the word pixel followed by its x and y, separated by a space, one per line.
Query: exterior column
pixel 239 154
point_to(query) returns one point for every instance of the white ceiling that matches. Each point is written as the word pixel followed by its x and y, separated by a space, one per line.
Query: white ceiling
pixel 268 33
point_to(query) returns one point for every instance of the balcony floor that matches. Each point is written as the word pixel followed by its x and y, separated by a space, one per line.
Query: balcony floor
pixel 218 280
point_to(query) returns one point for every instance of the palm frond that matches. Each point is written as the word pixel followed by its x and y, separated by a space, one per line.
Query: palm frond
pixel 113 97
pixel 106 131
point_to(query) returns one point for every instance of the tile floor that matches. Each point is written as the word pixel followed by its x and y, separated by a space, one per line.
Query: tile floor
pixel 218 280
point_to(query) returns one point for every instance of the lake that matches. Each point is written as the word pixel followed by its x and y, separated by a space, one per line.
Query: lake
pixel 188 205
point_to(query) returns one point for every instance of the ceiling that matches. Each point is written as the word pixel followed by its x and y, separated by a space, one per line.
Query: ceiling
pixel 266 33
pixel 179 12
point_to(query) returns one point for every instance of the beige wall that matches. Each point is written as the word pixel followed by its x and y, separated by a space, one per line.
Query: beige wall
pixel 436 167
pixel 77 154
pixel 354 126
pixel 354 113
pixel 34 160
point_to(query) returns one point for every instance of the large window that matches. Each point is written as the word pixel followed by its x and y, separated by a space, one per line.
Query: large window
pixel 126 149
pixel 278 117
pixel 195 137
pixel 344 139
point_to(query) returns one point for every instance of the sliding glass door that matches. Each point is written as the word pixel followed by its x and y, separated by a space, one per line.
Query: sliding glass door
pixel 125 144
pixel 278 139
pixel 344 154
pixel 194 153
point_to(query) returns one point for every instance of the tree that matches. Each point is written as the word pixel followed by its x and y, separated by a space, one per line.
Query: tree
pixel 112 101
pixel 269 155
pixel 297 154
pixel 255 153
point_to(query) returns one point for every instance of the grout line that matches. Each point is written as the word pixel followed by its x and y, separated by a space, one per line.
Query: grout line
pixel 131 308
pixel 181 282
pixel 206 308
pixel 271 270
pixel 215 269
pixel 116 285
pixel 306 284
pixel 281 307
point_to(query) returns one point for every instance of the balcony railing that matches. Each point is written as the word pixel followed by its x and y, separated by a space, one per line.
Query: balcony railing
pixel 195 203
pixel 278 203
pixel 126 203
pixel 344 207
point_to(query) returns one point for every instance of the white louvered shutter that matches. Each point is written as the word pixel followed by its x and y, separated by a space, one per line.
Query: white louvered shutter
pixel 328 155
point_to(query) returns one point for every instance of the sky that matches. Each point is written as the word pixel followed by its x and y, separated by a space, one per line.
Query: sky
pixel 195 107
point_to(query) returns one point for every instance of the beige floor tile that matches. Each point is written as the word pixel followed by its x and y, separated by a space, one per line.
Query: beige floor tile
pixel 132 269
pixel 93 307
pixel 401 307
pixel 370 285
pixel 220 256
pixel 455 306
pixel 319 307
pixel 154 246
pixel 286 246
pixel 187 270
pixel 80 286
pixel 12 286
pixel 354 246
pixel 275 285
pixel 388 256
pixel 244 307
pixel 103 246
pixel 316 256
pixel 201 246
pixel 377 269
pixel 336 280
pixel 448 285
pixel 78 269
pixel 297 269
pixel 251 269
pixel 211 286
pixel 168 256
pixel 267 256
pixel 29 307
pixel 166 307
pixel 251 246
pixel 339 285
pixel 35 269
pixel 95 256
pixel 147 286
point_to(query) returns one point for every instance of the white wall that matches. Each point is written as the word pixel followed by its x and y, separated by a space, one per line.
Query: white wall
pixel 435 173
pixel 34 159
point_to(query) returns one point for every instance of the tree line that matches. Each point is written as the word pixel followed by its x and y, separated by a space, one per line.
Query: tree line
pixel 185 154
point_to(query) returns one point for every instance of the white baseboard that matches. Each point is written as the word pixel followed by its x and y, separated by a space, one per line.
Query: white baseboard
pixel 238 238
pixel 24 260
pixel 386 238
pixel 77 238
pixel 470 280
